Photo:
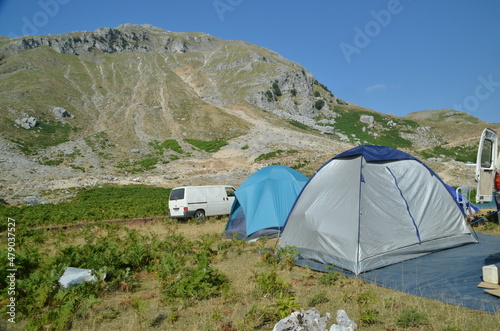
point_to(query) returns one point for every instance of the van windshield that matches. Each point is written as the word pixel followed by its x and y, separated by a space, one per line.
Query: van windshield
pixel 177 194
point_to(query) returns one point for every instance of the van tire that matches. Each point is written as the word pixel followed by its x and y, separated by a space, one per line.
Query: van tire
pixel 199 214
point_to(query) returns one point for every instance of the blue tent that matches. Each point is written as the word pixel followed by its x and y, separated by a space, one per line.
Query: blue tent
pixel 263 202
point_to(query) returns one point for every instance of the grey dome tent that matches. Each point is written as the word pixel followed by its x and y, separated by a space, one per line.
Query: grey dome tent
pixel 373 206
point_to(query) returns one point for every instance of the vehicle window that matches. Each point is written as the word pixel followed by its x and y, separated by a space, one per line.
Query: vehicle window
pixel 487 154
pixel 230 191
pixel 177 194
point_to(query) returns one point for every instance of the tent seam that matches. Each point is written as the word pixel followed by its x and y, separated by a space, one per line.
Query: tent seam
pixel 361 180
pixel 406 203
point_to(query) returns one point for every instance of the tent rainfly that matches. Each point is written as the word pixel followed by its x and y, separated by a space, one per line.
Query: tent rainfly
pixel 373 206
pixel 263 202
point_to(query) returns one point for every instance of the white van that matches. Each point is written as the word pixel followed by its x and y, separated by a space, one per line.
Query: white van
pixel 200 201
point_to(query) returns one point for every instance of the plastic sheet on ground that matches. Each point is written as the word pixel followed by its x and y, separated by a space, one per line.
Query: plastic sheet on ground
pixel 451 276
pixel 74 276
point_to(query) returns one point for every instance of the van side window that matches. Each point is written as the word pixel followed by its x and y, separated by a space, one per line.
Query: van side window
pixel 487 154
pixel 230 191
pixel 177 194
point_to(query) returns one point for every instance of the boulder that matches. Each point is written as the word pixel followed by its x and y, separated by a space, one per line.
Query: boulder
pixel 61 112
pixel 367 119
pixel 311 320
pixel 27 122
pixel 32 201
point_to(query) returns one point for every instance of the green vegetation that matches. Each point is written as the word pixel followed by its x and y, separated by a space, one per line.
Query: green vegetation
pixel 95 204
pixel 366 300
pixel 349 123
pixel 207 146
pixel 277 153
pixel 147 163
pixel 299 125
pixel 270 96
pixel 323 87
pixel 318 298
pixel 411 318
pixel 60 158
pixel 329 277
pixel 44 135
pixel 301 163
pixel 276 89
pixel 319 104
pixel 461 153
pixel 274 92
pixel 173 145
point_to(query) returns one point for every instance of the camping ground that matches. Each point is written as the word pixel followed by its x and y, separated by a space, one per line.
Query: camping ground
pixel 174 275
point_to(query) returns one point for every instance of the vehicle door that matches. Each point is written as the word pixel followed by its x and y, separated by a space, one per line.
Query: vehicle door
pixel 229 198
pixel 486 165
pixel 177 202
pixel 216 200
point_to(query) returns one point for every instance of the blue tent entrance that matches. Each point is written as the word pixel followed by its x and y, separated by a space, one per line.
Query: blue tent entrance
pixel 263 202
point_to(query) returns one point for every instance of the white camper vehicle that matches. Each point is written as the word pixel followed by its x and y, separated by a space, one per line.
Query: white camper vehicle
pixel 488 169
pixel 200 201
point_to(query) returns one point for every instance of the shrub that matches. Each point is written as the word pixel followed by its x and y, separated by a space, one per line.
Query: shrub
pixel 319 104
pixel 270 283
pixel 330 277
pixel 318 298
pixel 367 316
pixel 270 96
pixel 285 305
pixel 201 282
pixel 411 318
pixel 276 89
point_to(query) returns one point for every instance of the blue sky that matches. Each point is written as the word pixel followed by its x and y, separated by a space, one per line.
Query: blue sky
pixel 393 56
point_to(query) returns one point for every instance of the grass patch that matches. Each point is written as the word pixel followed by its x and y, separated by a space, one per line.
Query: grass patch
pixel 274 154
pixel 147 163
pixel 386 135
pixel 208 146
pixel 299 125
pixel 45 134
pixel 461 153
pixel 169 144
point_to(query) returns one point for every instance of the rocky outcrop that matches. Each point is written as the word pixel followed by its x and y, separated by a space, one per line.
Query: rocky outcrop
pixel 27 122
pixel 311 320
pixel 60 112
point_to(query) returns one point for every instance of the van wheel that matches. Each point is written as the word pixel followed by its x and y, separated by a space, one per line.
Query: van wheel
pixel 199 215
